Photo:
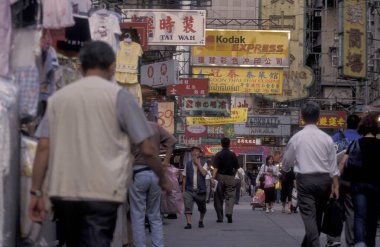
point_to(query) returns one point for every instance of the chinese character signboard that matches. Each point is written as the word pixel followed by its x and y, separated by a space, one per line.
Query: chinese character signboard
pixel 216 131
pixel 171 27
pixel 267 121
pixel 242 101
pixel 330 119
pixel 166 116
pixel 142 32
pixel 188 87
pixel 246 48
pixel 241 80
pixel 248 141
pixel 196 131
pixel 211 107
pixel 279 130
pixel 354 39
pixel 160 74
pixel 290 15
pixel 238 115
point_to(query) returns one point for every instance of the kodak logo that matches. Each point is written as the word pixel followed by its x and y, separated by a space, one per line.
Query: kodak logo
pixel 232 39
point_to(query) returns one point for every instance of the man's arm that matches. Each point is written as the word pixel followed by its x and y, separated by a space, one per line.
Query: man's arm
pixel 342 163
pixel 36 205
pixel 201 169
pixel 151 155
pixel 289 157
pixel 168 141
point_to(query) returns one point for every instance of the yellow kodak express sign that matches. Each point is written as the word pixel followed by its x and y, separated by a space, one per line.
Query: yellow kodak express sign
pixel 238 115
pixel 243 48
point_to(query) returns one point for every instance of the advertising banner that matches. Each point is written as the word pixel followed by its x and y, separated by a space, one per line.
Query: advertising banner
pixel 267 121
pixel 248 141
pixel 245 101
pixel 210 107
pixel 166 116
pixel 182 139
pixel 171 27
pixel 160 74
pixel 188 87
pixel 216 131
pixel 196 131
pixel 238 115
pixel 330 119
pixel 354 39
pixel 243 48
pixel 242 80
pixel 279 130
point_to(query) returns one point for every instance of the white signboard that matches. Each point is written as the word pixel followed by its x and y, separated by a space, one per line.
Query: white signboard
pixel 171 27
pixel 267 121
pixel 160 74
pixel 182 139
pixel 280 130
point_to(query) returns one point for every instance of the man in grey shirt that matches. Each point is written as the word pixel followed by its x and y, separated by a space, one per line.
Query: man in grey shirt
pixel 312 153
pixel 83 156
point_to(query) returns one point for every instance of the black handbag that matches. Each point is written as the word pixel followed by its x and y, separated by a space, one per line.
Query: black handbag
pixel 333 217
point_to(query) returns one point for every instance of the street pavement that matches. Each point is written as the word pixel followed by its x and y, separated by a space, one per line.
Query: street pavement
pixel 250 228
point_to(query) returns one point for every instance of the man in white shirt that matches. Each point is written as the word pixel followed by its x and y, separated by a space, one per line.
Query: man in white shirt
pixel 312 153
pixel 194 186
pixel 239 178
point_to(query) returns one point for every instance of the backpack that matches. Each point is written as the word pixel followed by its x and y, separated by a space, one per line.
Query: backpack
pixel 342 142
pixel 354 162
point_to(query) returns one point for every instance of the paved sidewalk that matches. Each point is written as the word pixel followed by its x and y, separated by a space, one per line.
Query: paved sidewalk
pixel 250 228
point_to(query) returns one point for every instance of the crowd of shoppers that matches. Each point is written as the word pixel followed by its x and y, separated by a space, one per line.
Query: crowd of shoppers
pixel 94 129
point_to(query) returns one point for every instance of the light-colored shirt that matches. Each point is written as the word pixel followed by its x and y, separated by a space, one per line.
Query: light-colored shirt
pixel 311 151
pixel 195 175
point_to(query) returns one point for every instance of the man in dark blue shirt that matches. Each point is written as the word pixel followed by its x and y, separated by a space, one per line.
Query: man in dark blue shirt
pixel 225 167
pixel 343 140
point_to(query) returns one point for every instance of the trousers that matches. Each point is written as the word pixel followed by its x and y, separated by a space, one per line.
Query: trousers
pixel 145 199
pixel 225 192
pixel 313 193
pixel 85 223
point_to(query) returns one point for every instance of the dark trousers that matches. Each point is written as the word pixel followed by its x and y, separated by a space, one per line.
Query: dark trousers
pixel 313 193
pixel 225 192
pixel 366 199
pixel 85 223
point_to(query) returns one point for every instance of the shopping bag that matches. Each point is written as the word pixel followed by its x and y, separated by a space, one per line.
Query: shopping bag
pixel 269 181
pixel 172 203
pixel 333 217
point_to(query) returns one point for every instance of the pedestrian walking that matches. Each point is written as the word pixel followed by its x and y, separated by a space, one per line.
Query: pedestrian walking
pixel 208 181
pixel 83 157
pixel 270 173
pixel 313 155
pixel 145 192
pixel 342 141
pixel 365 185
pixel 194 187
pixel 287 185
pixel 225 167
pixel 240 184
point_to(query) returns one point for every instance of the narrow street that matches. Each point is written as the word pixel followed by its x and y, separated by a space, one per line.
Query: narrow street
pixel 249 229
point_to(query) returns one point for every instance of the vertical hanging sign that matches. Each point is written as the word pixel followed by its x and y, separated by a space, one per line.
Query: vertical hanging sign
pixel 354 54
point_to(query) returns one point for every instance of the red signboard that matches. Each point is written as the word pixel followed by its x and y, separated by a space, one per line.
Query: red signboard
pixel 142 31
pixel 246 141
pixel 196 131
pixel 189 87
pixel 330 119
